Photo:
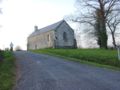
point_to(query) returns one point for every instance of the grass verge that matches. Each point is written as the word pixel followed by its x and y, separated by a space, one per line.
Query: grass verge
pixel 7 71
pixel 97 57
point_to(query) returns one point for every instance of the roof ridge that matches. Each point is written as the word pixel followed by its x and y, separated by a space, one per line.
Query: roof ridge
pixel 60 23
pixel 47 28
pixel 52 24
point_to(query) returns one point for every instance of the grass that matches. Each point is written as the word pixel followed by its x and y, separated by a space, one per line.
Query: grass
pixel 100 57
pixel 7 68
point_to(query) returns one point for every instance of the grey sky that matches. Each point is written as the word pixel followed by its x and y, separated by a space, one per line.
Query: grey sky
pixel 20 16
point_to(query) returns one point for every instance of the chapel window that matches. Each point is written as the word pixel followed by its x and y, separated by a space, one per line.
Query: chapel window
pixel 65 36
pixel 48 37
pixel 35 46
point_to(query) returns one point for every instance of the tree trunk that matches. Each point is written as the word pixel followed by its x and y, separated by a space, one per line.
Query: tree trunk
pixel 103 31
pixel 114 41
pixel 100 27
pixel 104 36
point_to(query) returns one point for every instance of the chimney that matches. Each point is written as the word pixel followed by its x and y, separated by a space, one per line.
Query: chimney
pixel 36 28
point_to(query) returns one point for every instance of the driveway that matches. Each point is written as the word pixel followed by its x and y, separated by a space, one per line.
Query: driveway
pixel 44 72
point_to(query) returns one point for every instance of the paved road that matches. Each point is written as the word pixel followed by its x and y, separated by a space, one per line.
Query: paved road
pixel 43 72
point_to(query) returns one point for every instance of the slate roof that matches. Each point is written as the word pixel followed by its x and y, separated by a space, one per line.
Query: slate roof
pixel 47 28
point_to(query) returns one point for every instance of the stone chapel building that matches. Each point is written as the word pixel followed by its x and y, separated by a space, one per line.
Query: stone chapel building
pixel 57 35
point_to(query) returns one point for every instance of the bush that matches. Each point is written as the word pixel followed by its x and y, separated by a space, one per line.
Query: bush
pixel 7 74
pixel 1 55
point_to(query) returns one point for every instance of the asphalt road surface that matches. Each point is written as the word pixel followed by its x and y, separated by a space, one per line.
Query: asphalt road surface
pixel 44 72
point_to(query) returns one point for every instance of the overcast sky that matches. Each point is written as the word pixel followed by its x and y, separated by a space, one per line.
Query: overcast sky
pixel 20 16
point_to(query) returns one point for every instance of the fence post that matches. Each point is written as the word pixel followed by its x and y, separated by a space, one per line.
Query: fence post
pixel 118 52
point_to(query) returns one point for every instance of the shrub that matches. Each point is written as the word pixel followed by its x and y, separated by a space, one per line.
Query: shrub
pixel 7 73
pixel 1 55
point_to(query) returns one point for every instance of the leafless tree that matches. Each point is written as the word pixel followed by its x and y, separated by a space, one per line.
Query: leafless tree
pixel 113 22
pixel 104 9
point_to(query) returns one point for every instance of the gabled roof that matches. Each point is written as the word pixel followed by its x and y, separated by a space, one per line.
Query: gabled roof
pixel 47 28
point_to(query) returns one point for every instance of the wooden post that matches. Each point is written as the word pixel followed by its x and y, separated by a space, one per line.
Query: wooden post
pixel 118 52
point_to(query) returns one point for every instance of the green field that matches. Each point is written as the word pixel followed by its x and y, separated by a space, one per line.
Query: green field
pixel 100 56
pixel 7 71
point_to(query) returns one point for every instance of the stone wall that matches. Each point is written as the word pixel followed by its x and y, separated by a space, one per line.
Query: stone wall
pixel 62 37
pixel 43 40
pixel 60 42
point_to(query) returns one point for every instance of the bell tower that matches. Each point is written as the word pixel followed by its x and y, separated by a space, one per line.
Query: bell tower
pixel 36 28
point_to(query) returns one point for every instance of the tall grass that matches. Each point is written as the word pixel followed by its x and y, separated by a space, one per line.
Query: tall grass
pixel 101 56
pixel 7 74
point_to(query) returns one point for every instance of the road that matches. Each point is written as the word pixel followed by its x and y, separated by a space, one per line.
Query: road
pixel 44 72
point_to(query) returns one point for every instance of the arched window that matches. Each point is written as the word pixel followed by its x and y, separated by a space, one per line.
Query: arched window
pixel 65 36
pixel 35 46
pixel 48 37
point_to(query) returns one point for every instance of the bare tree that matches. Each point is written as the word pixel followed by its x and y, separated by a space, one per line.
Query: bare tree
pixel 104 8
pixel 113 24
